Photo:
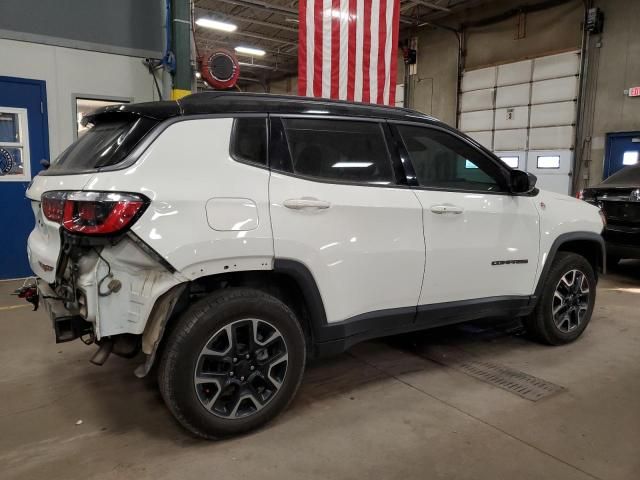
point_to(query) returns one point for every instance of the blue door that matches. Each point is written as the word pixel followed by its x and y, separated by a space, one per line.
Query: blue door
pixel 24 142
pixel 623 149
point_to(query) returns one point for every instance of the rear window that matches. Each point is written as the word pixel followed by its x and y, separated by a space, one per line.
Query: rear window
pixel 106 143
pixel 628 175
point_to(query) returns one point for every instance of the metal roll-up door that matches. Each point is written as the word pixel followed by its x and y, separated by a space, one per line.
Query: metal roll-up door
pixel 526 113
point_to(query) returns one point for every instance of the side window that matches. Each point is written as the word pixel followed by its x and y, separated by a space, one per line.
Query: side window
pixel 341 150
pixel 249 140
pixel 440 160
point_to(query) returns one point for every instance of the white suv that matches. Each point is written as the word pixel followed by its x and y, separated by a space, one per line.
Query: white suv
pixel 229 237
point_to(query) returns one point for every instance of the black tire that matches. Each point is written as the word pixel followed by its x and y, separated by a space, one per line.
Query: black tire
pixel 541 324
pixel 226 310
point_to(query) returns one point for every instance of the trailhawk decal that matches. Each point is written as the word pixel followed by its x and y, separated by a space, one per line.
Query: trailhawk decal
pixel 508 262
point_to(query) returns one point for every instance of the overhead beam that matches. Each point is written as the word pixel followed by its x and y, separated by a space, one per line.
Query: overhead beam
pixel 432 5
pixel 221 15
pixel 273 68
pixel 265 7
pixel 254 35
pixel 214 42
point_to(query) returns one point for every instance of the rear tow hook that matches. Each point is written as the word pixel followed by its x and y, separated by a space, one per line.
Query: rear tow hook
pixel 30 293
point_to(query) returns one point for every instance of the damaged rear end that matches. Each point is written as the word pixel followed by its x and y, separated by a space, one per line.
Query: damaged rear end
pixel 96 279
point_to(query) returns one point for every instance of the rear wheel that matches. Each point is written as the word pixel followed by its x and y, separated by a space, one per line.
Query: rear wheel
pixel 233 362
pixel 564 309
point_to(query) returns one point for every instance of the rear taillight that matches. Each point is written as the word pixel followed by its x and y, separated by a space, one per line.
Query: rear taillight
pixel 92 213
pixel 53 205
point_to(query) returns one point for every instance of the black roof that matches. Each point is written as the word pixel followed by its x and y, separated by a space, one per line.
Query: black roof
pixel 238 102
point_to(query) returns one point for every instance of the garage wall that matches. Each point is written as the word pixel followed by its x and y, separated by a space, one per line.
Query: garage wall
pixel 115 26
pixel 615 66
pixel 69 71
pixel 550 31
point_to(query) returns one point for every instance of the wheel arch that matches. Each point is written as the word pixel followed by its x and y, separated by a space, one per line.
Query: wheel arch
pixel 590 245
pixel 290 281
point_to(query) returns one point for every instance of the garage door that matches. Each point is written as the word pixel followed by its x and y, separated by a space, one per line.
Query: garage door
pixel 526 113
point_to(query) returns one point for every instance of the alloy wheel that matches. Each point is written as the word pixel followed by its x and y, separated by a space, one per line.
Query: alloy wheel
pixel 241 368
pixel 571 301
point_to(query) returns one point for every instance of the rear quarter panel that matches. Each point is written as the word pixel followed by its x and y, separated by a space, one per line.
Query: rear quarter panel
pixel 185 171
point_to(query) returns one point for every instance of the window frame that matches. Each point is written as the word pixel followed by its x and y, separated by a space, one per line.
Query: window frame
pixel 502 169
pixel 286 165
pixel 23 144
pixel 88 96
pixel 538 157
pixel 232 139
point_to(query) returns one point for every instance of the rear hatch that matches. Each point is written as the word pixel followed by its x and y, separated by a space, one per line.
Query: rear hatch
pixel 113 135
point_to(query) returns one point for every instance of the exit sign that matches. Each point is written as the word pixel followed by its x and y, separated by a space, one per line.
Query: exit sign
pixel 634 92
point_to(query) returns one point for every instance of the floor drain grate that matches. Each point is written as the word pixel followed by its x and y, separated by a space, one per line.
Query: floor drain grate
pixel 514 381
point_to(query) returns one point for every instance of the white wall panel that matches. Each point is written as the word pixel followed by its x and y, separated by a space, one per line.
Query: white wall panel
pixel 513 95
pixel 483 138
pixel 552 179
pixel 477 100
pixel 68 71
pixel 479 79
pixel 510 118
pixel 551 138
pixel 512 73
pixel 510 139
pixel 554 66
pixel 553 114
pixel 556 90
pixel 476 121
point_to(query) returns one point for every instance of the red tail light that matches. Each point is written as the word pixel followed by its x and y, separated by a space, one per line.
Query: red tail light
pixel 92 213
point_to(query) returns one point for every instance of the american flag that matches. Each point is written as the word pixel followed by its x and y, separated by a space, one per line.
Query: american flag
pixel 348 49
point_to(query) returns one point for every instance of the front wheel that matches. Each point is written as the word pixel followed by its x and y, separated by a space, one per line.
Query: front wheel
pixel 564 309
pixel 232 363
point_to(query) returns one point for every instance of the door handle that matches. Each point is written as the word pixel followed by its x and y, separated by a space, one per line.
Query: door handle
pixel 306 203
pixel 447 209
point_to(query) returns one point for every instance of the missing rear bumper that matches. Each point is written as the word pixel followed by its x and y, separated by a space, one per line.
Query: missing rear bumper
pixel 71 327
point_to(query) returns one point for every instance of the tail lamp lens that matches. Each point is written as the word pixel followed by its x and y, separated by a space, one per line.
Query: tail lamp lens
pixel 92 213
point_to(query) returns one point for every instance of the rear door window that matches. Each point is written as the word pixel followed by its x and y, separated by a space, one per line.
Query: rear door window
pixel 339 150
pixel 249 140
pixel 107 142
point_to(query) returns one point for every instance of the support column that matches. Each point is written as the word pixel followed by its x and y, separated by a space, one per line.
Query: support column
pixel 181 46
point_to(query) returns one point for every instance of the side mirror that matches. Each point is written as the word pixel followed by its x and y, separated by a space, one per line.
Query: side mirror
pixel 522 182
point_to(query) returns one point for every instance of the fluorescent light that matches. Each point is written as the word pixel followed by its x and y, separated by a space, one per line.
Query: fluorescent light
pixel 216 25
pixel 352 165
pixel 256 52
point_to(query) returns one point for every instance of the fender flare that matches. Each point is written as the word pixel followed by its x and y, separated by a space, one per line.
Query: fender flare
pixel 561 240
pixel 301 274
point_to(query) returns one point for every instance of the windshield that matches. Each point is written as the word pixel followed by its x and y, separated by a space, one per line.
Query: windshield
pixel 107 142
pixel 628 176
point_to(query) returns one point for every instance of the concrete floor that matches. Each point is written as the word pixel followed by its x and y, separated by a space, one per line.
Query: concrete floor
pixel 378 411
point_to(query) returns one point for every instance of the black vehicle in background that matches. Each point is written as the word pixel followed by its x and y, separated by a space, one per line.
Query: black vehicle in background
pixel 619 198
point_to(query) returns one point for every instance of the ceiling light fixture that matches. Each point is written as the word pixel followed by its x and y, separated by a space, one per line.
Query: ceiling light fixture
pixel 352 164
pixel 216 25
pixel 256 52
